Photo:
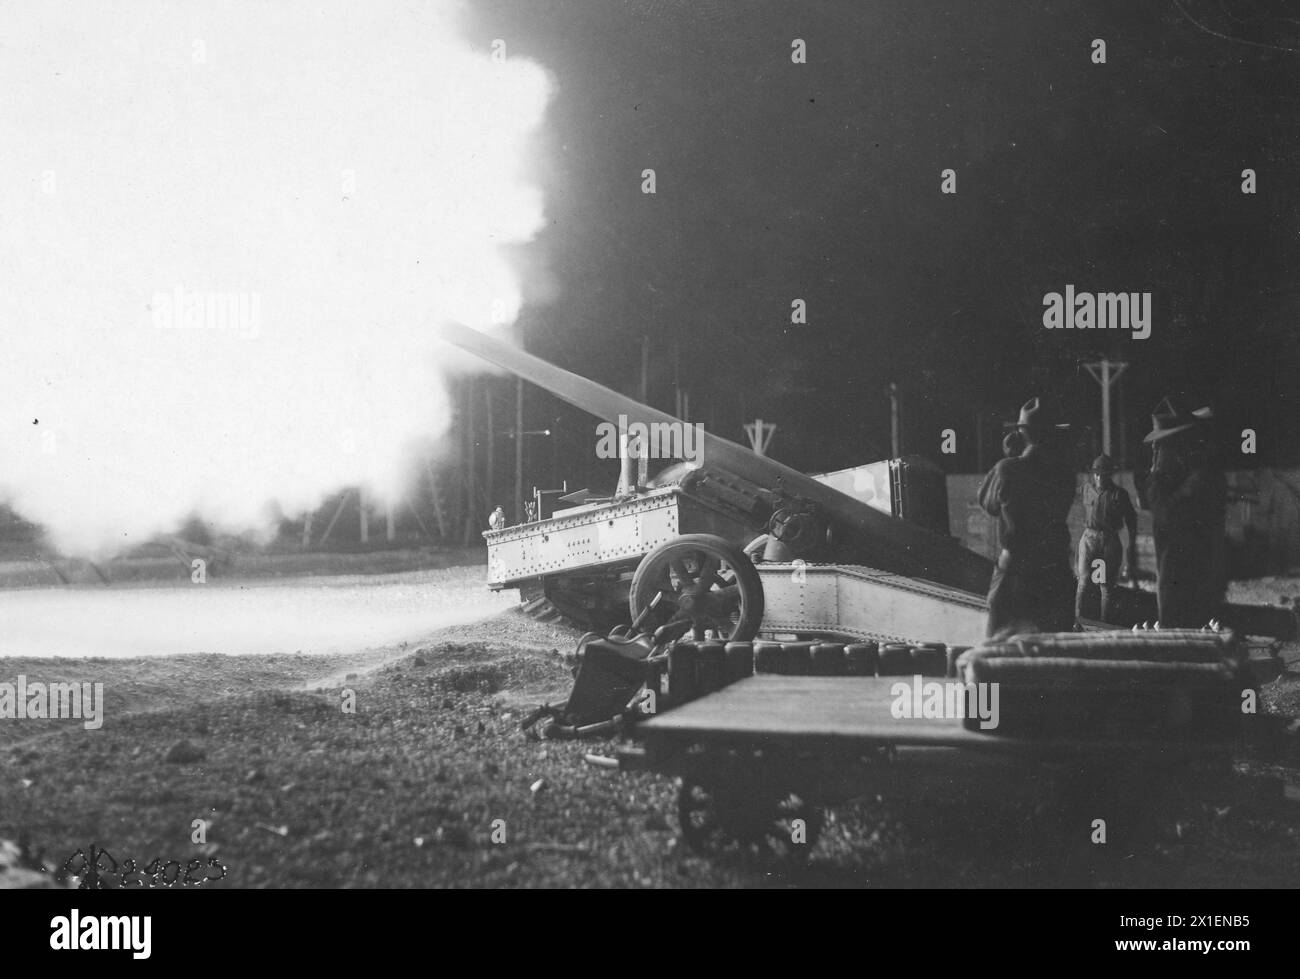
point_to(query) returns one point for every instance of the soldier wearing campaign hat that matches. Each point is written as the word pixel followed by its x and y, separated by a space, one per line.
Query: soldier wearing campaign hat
pixel 1030 494
pixel 1186 492
pixel 1107 510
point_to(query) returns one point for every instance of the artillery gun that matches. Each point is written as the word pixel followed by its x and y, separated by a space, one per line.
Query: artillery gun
pixel 734 542
pixel 737 544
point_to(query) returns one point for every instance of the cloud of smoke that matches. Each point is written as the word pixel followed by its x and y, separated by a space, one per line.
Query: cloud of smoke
pixel 228 231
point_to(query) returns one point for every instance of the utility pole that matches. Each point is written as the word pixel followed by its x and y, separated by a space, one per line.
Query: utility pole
pixel 473 520
pixel 760 435
pixel 1105 372
pixel 519 450
pixel 490 475
pixel 1123 424
pixel 895 441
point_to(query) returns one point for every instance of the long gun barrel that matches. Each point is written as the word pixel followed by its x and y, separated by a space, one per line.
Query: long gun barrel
pixel 884 542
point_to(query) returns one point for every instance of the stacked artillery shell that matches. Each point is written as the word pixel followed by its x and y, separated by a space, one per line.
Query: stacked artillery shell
pixel 828 659
pixel 711 666
pixel 798 658
pixel 696 668
pixel 718 664
pixel 862 658
pixel 895 659
pixel 683 681
pixel 767 657
pixel 929 659
pixel 740 660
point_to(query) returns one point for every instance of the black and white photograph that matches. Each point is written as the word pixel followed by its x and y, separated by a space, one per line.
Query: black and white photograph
pixel 650 444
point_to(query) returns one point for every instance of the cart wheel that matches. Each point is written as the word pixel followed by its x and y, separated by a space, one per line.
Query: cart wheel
pixel 716 819
pixel 706 582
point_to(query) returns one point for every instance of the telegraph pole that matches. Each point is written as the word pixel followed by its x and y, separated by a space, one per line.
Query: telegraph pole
pixel 760 435
pixel 1106 372
pixel 490 479
pixel 472 517
pixel 895 443
pixel 519 450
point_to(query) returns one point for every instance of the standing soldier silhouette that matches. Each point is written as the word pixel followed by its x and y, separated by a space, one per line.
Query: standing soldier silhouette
pixel 1030 494
pixel 1187 492
pixel 1013 443
pixel 1106 511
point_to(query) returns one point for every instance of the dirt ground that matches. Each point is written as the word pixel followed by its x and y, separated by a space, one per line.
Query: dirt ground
pixel 429 783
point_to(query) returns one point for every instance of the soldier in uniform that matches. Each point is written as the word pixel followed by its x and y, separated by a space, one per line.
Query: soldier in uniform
pixel 1187 492
pixel 497 519
pixel 1105 513
pixel 1013 443
pixel 1030 494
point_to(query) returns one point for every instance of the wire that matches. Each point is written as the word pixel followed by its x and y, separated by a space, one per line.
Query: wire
pixel 1228 37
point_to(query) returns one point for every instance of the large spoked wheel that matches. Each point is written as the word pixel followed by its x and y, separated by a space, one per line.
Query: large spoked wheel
pixel 769 825
pixel 705 583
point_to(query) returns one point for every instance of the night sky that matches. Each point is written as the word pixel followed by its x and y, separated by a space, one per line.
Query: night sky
pixel 821 181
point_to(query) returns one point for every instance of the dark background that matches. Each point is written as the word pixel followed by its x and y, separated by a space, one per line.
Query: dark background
pixel 821 181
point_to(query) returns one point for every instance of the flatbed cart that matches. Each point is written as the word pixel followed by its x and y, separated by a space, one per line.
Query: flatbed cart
pixel 761 759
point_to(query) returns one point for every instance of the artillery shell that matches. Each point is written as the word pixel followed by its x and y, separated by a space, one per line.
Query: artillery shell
pixel 711 669
pixel 928 661
pixel 683 682
pixel 895 659
pixel 828 659
pixel 740 661
pixel 863 658
pixel 767 657
pixel 796 658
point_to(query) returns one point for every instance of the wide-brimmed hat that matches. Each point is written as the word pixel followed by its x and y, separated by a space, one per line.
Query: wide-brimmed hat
pixel 1103 464
pixel 1171 416
pixel 1037 416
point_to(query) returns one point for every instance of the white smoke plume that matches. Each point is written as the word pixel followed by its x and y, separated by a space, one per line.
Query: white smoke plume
pixel 227 231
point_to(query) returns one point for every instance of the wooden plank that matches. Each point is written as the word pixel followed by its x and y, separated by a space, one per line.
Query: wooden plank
pixel 854 712
pixel 806 706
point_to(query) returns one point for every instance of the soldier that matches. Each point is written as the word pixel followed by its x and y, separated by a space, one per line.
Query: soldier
pixel 1108 511
pixel 497 520
pixel 1013 443
pixel 1031 495
pixel 1187 494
